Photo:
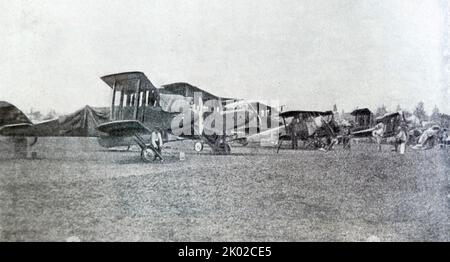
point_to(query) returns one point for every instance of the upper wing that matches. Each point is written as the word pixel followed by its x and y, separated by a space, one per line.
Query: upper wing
pixel 128 81
pixel 123 128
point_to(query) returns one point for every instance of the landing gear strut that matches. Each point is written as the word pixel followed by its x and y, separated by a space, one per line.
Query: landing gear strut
pixel 221 147
pixel 148 152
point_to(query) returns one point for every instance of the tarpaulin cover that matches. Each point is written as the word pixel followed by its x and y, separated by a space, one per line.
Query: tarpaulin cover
pixel 80 123
pixel 83 122
pixel 11 115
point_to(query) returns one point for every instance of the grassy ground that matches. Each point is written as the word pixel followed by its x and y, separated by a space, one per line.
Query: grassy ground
pixel 75 188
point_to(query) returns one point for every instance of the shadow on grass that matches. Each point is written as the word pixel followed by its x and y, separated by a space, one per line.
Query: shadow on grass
pixel 229 155
pixel 138 160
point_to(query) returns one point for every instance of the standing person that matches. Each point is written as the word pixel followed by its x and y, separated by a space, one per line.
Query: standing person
pixel 293 127
pixel 157 98
pixel 400 139
pixel 157 142
pixel 378 133
pixel 444 138
pixel 153 98
pixel 346 137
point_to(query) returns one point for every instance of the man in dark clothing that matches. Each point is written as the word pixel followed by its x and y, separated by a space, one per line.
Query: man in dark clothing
pixel 293 128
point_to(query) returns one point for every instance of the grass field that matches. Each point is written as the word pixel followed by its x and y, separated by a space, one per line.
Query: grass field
pixel 76 188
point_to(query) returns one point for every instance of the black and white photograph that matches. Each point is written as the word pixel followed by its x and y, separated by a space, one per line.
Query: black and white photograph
pixel 225 121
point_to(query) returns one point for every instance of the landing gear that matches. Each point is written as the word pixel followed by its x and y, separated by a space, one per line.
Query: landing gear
pixel 147 154
pixel 218 144
pixel 221 148
pixel 198 146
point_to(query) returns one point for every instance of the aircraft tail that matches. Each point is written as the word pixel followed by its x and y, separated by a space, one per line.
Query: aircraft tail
pixel 11 115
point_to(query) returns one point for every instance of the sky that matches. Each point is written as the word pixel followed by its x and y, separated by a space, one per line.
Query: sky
pixel 305 54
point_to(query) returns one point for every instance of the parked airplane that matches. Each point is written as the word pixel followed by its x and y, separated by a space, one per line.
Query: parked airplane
pixel 134 113
pixel 308 126
pixel 385 127
pixel 137 112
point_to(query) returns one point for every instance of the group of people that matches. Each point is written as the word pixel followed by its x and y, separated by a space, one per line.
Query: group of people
pixel 399 136
pixel 422 140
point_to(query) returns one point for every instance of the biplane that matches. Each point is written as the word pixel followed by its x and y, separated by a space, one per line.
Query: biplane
pixel 239 118
pixel 314 128
pixel 134 114
pixel 363 119
pixel 385 128
pixel 388 122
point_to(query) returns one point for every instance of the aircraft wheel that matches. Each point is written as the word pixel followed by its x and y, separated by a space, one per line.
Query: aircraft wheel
pixel 147 154
pixel 198 146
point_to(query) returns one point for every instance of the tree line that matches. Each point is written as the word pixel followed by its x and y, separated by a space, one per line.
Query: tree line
pixel 420 112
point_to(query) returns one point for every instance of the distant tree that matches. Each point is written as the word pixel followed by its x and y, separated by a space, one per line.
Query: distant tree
pixel 407 114
pixel 35 115
pixel 420 111
pixel 50 115
pixel 335 109
pixel 398 108
pixel 380 111
pixel 435 115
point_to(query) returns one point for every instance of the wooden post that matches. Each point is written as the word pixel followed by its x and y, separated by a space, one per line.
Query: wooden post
pixel 113 101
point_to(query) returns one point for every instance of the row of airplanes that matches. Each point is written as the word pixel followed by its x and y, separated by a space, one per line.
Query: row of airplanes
pixel 178 111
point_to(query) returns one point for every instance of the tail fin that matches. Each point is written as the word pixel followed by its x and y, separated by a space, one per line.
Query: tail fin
pixel 11 115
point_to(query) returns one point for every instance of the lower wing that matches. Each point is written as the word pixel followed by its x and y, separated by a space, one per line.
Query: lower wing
pixel 123 128
pixel 363 133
